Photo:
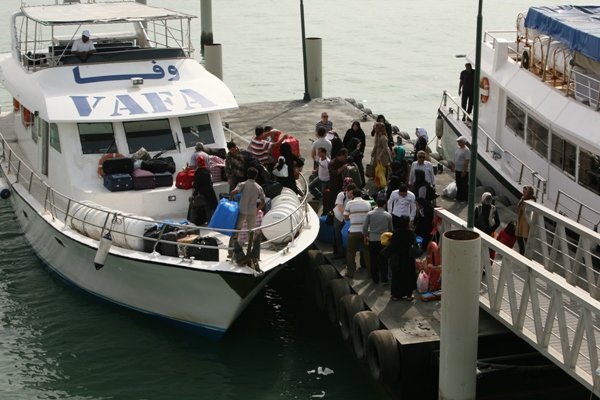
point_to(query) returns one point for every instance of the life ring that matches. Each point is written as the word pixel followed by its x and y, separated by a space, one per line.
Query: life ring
pixel 324 274
pixel 336 288
pixel 363 324
pixel 525 60
pixel 16 104
pixel 105 157
pixel 484 85
pixel 348 306
pixel 27 117
pixel 383 357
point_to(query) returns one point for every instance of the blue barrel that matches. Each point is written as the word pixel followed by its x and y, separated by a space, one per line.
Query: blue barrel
pixel 325 231
pixel 225 216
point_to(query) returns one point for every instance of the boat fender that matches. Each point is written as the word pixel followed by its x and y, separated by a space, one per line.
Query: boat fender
pixel 484 85
pixel 439 127
pixel 525 60
pixel 383 357
pixel 363 324
pixel 348 306
pixel 324 273
pixel 335 290
pixel 102 252
pixel 4 190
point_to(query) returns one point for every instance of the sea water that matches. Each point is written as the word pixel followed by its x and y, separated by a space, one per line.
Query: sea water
pixel 393 56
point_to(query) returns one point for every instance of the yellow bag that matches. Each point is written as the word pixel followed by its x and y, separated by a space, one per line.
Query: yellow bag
pixel 386 238
pixel 380 176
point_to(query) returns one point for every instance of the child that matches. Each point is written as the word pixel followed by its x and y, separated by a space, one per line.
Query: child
pixel 318 185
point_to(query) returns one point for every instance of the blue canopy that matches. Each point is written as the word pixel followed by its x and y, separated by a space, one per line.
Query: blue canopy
pixel 577 27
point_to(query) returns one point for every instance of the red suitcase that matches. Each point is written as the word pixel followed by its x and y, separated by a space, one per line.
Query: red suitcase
pixel 294 144
pixel 185 179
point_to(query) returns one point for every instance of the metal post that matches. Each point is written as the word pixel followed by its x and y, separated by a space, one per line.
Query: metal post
pixel 306 95
pixel 475 126
pixel 206 37
pixel 461 252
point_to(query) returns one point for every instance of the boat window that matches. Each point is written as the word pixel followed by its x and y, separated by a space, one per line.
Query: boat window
pixel 154 135
pixel 563 154
pixel 97 138
pixel 537 136
pixel 196 128
pixel 35 128
pixel 589 170
pixel 515 118
pixel 54 139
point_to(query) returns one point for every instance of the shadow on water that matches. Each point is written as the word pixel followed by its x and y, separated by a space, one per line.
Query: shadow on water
pixel 59 343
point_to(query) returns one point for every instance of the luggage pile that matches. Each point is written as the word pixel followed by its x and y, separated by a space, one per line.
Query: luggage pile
pixel 172 241
pixel 125 173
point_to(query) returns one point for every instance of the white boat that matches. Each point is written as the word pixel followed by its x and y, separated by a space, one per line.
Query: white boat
pixel 539 112
pixel 141 88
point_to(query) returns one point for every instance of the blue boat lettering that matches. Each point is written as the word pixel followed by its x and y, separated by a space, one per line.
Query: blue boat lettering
pixel 140 103
pixel 83 106
pixel 159 73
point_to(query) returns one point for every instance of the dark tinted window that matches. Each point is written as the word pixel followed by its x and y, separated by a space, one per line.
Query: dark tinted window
pixel 152 135
pixel 97 138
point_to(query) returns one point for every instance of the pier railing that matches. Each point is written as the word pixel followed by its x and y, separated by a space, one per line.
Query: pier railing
pixel 525 174
pixel 560 320
pixel 62 208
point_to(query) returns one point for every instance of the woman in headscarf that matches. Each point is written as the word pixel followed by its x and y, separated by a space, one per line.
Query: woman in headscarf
pixel 381 151
pixel 402 263
pixel 486 216
pixel 388 130
pixel 355 131
pixel 292 163
pixel 355 155
pixel 204 199
pixel 424 221
pixel 522 228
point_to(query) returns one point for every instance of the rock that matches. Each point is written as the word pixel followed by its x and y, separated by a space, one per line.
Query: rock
pixel 351 101
pixel 360 106
pixel 404 135
pixel 435 156
pixel 368 111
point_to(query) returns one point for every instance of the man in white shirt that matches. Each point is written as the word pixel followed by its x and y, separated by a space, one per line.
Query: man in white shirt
pixel 421 175
pixel 341 200
pixel 356 212
pixel 462 156
pixel 83 48
pixel 402 202
pixel 318 185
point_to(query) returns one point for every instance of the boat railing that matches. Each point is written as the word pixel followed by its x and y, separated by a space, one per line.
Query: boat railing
pixel 62 209
pixel 584 88
pixel 577 210
pixel 532 298
pixel 525 174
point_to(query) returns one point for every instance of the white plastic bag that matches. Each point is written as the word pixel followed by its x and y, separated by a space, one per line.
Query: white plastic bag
pixel 422 282
pixel 450 191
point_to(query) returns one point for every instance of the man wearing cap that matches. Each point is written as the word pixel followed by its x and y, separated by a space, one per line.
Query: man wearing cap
pixel 462 156
pixel 83 47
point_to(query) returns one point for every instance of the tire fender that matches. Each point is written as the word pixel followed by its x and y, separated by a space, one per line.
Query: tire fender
pixel 383 357
pixel 323 273
pixel 363 324
pixel 336 288
pixel 348 306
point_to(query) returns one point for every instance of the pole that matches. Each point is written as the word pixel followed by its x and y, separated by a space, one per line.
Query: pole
pixel 475 126
pixel 206 37
pixel 306 95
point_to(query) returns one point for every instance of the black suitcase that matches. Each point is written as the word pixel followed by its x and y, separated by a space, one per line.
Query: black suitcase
pixel 122 165
pixel 163 179
pixel 118 182
pixel 168 249
pixel 154 231
pixel 158 165
pixel 272 189
pixel 204 253
pixel 143 179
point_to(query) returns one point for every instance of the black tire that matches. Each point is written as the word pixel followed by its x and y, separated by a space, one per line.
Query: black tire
pixel 383 357
pixel 348 306
pixel 363 324
pixel 324 273
pixel 525 60
pixel 336 288
pixel 315 258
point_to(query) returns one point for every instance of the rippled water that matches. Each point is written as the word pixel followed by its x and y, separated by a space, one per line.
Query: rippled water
pixel 57 343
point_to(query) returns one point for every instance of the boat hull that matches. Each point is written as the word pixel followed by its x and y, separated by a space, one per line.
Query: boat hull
pixel 206 301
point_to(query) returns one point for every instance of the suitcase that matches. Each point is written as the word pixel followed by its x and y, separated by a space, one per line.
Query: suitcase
pixel 153 233
pixel 143 179
pixel 122 165
pixel 294 144
pixel 272 189
pixel 158 165
pixel 168 249
pixel 118 182
pixel 185 179
pixel 163 179
pixel 203 253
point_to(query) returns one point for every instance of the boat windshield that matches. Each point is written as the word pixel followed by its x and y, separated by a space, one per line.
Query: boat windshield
pixel 153 135
pixel 196 128
pixel 97 138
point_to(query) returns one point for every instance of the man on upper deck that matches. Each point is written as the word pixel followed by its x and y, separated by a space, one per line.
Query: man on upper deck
pixel 83 48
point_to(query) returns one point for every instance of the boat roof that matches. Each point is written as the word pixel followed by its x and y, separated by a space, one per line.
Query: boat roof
pixel 99 13
pixel 578 27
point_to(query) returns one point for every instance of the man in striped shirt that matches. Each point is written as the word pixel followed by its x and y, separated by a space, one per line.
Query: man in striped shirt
pixel 356 212
pixel 260 147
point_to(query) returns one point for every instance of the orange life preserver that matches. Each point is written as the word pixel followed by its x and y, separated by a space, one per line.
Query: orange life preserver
pixel 105 157
pixel 27 117
pixel 16 104
pixel 484 85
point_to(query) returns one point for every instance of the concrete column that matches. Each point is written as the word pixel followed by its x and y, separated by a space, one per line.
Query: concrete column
pixel 213 60
pixel 461 254
pixel 206 37
pixel 314 67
